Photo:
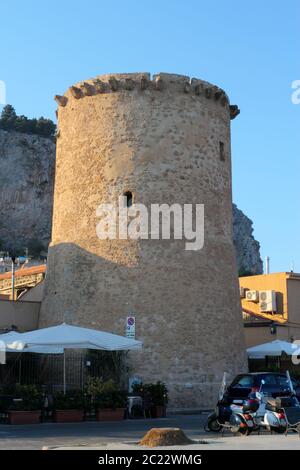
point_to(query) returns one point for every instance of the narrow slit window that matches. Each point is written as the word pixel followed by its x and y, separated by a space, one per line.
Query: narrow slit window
pixel 129 198
pixel 222 152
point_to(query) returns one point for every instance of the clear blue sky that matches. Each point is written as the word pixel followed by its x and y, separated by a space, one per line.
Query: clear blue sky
pixel 249 48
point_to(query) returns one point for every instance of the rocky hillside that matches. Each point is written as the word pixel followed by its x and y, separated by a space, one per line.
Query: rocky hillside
pixel 247 248
pixel 26 192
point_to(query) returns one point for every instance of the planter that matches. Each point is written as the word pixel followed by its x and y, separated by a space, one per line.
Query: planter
pixel 109 414
pixel 157 411
pixel 68 416
pixel 24 417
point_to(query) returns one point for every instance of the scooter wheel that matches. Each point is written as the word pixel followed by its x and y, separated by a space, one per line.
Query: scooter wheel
pixel 243 432
pixel 213 425
pixel 280 430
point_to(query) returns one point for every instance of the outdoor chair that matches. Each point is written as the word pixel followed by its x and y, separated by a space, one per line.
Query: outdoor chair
pixel 139 407
pixel 147 406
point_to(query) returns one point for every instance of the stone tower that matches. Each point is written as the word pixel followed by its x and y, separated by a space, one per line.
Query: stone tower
pixel 163 140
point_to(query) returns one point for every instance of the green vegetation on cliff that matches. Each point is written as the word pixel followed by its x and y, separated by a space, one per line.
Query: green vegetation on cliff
pixel 10 121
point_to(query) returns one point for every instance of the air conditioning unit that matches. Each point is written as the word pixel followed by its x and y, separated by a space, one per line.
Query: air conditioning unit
pixel 252 295
pixel 267 301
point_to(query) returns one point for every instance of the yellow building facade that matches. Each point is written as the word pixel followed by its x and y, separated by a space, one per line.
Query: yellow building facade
pixel 271 307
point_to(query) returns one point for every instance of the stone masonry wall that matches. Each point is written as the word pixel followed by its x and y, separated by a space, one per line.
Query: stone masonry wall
pixel 26 199
pixel 159 139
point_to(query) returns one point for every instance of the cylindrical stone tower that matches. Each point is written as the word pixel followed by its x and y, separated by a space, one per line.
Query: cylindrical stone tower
pixel 164 140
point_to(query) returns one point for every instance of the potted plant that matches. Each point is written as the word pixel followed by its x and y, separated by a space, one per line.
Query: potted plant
pixel 68 407
pixel 159 395
pixel 26 405
pixel 155 398
pixel 110 402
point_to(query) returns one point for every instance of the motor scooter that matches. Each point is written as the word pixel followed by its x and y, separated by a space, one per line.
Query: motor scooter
pixel 270 413
pixel 233 416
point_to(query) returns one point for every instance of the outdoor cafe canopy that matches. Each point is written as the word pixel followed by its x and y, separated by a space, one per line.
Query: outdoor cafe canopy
pixel 9 338
pixel 64 336
pixel 274 348
pixel 55 339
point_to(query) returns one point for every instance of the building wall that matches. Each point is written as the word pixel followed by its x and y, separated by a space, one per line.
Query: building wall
pixel 262 334
pixel 293 298
pixel 4 296
pixel 274 281
pixel 24 315
pixel 34 294
pixel 287 287
pixel 161 142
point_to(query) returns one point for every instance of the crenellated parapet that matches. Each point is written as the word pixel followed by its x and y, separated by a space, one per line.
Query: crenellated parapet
pixel 144 83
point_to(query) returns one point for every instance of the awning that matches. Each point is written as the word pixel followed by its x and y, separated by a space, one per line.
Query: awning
pixel 274 348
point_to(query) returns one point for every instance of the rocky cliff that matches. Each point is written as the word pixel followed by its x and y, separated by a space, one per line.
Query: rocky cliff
pixel 26 192
pixel 247 248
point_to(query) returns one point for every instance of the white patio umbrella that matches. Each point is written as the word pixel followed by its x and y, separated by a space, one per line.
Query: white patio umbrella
pixel 7 340
pixel 274 348
pixel 10 337
pixel 66 336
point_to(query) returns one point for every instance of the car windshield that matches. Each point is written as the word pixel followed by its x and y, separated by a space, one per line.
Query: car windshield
pixel 243 381
pixel 269 379
pixel 283 381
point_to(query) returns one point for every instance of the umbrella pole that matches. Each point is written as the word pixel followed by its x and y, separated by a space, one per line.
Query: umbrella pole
pixel 64 372
pixel 20 368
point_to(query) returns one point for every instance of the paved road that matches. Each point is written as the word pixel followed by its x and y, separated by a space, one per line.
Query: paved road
pixel 124 435
pixel 91 433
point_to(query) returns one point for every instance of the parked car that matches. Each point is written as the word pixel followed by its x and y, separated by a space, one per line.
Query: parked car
pixel 245 384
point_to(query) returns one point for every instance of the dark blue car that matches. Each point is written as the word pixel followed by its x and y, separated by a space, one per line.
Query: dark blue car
pixel 275 385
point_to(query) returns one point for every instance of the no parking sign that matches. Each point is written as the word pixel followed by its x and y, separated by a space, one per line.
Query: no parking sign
pixel 130 327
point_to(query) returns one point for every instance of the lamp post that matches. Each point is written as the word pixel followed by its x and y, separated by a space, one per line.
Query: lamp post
pixel 13 259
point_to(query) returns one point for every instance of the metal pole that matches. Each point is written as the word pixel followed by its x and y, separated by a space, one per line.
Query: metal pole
pixel 64 372
pixel 20 369
pixel 267 265
pixel 13 278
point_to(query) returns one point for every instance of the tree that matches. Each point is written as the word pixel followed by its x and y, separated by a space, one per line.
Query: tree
pixel 45 127
pixel 35 247
pixel 21 124
pixel 8 117
pixel 9 120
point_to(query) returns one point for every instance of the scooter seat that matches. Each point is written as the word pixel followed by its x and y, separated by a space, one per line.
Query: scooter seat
pixel 272 402
pixel 276 404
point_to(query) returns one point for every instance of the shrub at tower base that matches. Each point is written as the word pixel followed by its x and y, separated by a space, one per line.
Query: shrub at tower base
pixel 69 407
pixel 26 406
pixel 108 399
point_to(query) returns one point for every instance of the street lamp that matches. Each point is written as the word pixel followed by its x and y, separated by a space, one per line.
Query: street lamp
pixel 20 261
pixel 13 260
